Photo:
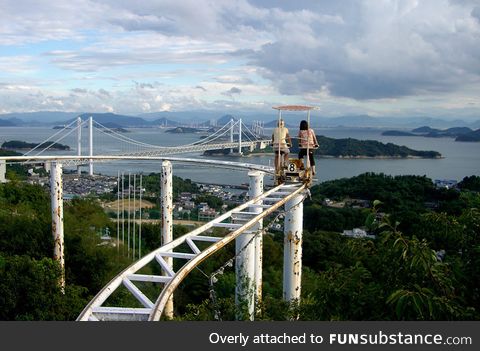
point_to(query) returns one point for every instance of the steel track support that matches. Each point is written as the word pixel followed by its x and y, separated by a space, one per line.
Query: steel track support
pixel 246 262
pixel 90 145
pixel 166 200
pixel 56 196
pixel 292 246
pixel 256 189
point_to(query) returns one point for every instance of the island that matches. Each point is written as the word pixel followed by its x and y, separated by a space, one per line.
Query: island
pixel 22 145
pixel 472 136
pixel 428 132
pixel 398 133
pixel 347 148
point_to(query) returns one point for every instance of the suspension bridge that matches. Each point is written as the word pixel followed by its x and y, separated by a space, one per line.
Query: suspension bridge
pixel 244 225
pixel 235 137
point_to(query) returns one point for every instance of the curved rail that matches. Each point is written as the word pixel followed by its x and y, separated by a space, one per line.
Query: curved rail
pixel 84 159
pixel 270 200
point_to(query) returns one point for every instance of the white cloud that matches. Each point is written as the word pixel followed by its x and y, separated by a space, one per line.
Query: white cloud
pixel 191 53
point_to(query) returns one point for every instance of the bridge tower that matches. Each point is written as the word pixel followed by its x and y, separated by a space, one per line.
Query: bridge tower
pixel 231 134
pixel 240 136
pixel 79 141
pixel 90 145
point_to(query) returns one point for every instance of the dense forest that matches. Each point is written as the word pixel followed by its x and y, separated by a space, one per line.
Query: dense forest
pixel 422 265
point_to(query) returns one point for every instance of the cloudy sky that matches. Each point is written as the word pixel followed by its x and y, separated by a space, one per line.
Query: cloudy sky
pixel 376 57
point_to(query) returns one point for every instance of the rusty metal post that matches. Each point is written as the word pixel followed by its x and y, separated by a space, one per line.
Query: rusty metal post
pixel 3 171
pixel 292 246
pixel 256 189
pixel 90 144
pixel 56 196
pixel 166 186
pixel 79 142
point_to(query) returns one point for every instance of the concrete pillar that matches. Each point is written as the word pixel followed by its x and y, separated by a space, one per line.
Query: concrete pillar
pixel 256 189
pixel 56 196
pixel 248 264
pixel 79 142
pixel 292 254
pixel 90 145
pixel 166 186
pixel 3 171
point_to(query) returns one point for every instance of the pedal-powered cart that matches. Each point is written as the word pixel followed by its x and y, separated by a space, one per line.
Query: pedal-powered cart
pixel 295 170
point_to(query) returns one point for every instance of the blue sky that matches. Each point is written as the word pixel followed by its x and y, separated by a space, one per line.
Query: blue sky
pixel 382 58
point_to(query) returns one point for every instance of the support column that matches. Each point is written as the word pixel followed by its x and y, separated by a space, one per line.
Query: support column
pixel 292 249
pixel 90 144
pixel 3 171
pixel 256 189
pixel 79 142
pixel 166 186
pixel 246 260
pixel 56 196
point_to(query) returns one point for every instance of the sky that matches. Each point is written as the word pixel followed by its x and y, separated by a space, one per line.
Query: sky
pixel 350 57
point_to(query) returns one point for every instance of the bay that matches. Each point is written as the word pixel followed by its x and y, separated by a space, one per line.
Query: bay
pixel 460 159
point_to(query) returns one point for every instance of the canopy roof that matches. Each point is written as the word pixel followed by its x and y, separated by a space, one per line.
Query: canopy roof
pixel 294 108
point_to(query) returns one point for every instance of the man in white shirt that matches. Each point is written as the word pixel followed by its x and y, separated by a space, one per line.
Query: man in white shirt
pixel 281 141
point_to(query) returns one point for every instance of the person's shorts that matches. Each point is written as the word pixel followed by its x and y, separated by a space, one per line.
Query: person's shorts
pixel 283 150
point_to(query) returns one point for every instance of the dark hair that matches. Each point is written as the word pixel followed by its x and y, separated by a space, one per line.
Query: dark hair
pixel 303 125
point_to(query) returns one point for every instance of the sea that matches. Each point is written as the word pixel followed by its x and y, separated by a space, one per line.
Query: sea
pixel 459 159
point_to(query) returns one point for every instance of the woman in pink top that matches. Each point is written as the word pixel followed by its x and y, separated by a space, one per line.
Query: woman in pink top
pixel 307 140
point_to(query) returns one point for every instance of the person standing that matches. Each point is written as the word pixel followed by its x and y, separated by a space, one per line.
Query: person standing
pixel 307 141
pixel 281 141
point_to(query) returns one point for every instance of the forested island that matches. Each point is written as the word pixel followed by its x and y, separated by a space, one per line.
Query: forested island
pixel 459 133
pixel 354 148
pixel 22 145
pixel 423 263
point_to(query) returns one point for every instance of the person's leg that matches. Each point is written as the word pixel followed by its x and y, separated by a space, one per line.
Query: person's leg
pixel 312 162
pixel 285 159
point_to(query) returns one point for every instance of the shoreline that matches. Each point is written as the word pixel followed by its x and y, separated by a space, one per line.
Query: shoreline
pixel 350 157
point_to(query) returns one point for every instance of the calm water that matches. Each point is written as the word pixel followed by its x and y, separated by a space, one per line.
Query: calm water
pixel 460 158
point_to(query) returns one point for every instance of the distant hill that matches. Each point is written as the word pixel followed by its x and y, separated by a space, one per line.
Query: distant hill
pixel 6 123
pixel 429 132
pixel 41 117
pixel 472 136
pixel 225 119
pixel 397 133
pixel 165 122
pixel 119 120
pixel 183 130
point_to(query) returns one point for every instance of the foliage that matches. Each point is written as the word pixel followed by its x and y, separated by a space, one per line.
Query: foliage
pixel 37 295
pixel 470 183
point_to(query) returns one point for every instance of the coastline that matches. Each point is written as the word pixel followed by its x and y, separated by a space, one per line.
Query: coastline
pixel 353 157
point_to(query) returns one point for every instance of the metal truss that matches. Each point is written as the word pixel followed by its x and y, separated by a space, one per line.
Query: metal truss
pixel 239 221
